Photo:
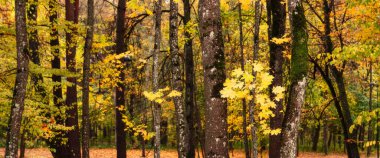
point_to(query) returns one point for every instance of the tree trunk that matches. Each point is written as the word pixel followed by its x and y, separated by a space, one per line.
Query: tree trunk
pixel 325 139
pixel 298 74
pixel 352 147
pixel 86 80
pixel 157 107
pixel 33 48
pixel 19 90
pixel 189 82
pixel 244 102
pixel 22 144
pixel 55 143
pixel 344 110
pixel 72 9
pixel 276 29
pixel 121 144
pixel 316 137
pixel 210 26
pixel 370 132
pixel 182 126
pixel 256 48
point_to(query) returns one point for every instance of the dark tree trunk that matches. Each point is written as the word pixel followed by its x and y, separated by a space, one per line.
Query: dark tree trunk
pixel 244 102
pixel 361 131
pixel 352 147
pixel 298 74
pixel 210 26
pixel 316 137
pixel 33 48
pixel 121 144
pixel 72 9
pixel 19 91
pixel 189 82
pixel 55 143
pixel 325 139
pixel 276 29
pixel 86 80
pixel 341 103
pixel 256 48
pixel 370 131
pixel 182 126
pixel 22 144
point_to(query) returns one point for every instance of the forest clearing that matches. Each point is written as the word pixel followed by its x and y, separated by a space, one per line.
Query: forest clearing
pixel 189 78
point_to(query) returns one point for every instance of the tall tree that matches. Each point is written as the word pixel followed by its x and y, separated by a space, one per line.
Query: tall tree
pixel 33 47
pixel 298 74
pixel 244 102
pixel 338 92
pixel 256 48
pixel 210 26
pixel 156 52
pixel 86 80
pixel 56 142
pixel 19 91
pixel 182 126
pixel 276 20
pixel 72 11
pixel 121 144
pixel 189 81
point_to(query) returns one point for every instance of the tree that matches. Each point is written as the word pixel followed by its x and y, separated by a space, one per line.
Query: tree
pixel 156 51
pixel 182 126
pixel 298 74
pixel 244 113
pixel 190 82
pixel 258 11
pixel 276 21
pixel 86 80
pixel 210 26
pixel 121 144
pixel 72 13
pixel 19 91
pixel 56 142
pixel 326 70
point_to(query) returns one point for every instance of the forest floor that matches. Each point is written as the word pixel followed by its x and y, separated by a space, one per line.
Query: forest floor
pixel 111 153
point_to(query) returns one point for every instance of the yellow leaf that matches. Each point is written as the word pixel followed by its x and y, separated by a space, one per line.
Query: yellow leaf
pixel 174 93
pixel 237 72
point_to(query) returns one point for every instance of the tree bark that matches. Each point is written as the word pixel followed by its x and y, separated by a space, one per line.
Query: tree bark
pixel 244 102
pixel 121 144
pixel 325 139
pixel 189 82
pixel 86 80
pixel 33 48
pixel 182 126
pixel 156 52
pixel 316 137
pixel 298 74
pixel 72 10
pixel 210 26
pixel 370 127
pixel 276 29
pixel 55 143
pixel 19 91
pixel 22 144
pixel 256 48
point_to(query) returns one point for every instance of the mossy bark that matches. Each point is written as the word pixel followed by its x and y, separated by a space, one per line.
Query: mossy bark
pixel 298 74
